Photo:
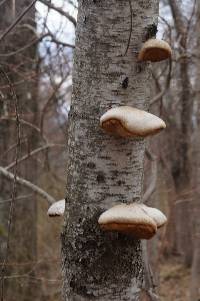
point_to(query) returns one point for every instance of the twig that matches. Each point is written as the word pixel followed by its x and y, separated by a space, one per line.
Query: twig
pixel 159 95
pixel 60 11
pixel 13 146
pixel 34 41
pixel 54 40
pixel 46 105
pixel 32 153
pixel 192 15
pixel 28 124
pixel 27 184
pixel 18 198
pixel 4 34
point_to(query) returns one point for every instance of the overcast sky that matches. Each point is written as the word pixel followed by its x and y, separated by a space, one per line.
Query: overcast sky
pixel 55 22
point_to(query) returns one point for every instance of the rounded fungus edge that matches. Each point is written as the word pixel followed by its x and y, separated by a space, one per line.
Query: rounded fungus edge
pixel 155 50
pixel 56 209
pixel 159 217
pixel 128 219
pixel 126 121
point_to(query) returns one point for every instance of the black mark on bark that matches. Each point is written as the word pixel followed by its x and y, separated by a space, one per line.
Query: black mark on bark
pixel 151 31
pixel 100 177
pixel 125 83
pixel 91 165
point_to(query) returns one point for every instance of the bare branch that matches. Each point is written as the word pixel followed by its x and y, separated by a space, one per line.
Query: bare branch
pixel 4 34
pixel 167 84
pixel 23 182
pixel 54 40
pixel 60 11
pixel 178 19
pixel 191 16
pixel 18 198
pixel 34 152
pixel 44 110
pixel 34 41
pixel 37 129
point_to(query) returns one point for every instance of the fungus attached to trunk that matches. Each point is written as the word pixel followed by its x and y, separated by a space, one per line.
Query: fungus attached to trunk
pixel 126 121
pixel 57 209
pixel 129 219
pixel 159 218
pixel 155 50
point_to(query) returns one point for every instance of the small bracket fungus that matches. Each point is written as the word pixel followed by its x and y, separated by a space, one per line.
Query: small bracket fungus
pixel 126 121
pixel 129 219
pixel 159 218
pixel 57 209
pixel 155 50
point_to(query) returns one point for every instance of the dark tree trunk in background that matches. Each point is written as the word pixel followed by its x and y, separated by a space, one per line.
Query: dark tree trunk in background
pixel 104 170
pixel 181 157
pixel 21 69
pixel 195 274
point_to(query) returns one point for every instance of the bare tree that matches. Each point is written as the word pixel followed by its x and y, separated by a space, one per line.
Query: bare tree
pixel 180 136
pixel 20 65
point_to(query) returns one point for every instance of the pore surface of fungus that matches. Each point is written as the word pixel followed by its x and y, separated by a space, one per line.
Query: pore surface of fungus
pixel 129 219
pixel 57 209
pixel 126 121
pixel 155 50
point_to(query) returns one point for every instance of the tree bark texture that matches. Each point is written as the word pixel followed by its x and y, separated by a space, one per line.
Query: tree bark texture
pixel 104 170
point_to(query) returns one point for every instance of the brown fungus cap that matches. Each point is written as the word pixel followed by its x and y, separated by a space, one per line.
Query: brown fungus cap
pixel 128 219
pixel 57 209
pixel 126 121
pixel 155 50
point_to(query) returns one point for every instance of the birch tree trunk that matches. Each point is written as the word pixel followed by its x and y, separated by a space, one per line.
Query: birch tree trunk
pixel 104 170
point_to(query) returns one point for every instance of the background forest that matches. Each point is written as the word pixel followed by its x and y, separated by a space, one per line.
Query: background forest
pixel 35 91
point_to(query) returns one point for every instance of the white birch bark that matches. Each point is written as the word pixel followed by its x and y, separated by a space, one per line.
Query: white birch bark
pixel 104 170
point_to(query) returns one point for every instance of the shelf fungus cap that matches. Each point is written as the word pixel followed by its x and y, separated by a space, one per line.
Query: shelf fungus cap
pixel 126 121
pixel 159 218
pixel 57 209
pixel 128 219
pixel 155 50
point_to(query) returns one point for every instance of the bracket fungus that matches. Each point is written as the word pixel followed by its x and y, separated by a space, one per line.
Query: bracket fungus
pixel 155 214
pixel 136 219
pixel 126 121
pixel 57 209
pixel 155 50
pixel 129 219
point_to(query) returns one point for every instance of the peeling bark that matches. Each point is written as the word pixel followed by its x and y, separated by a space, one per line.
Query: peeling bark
pixel 104 170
